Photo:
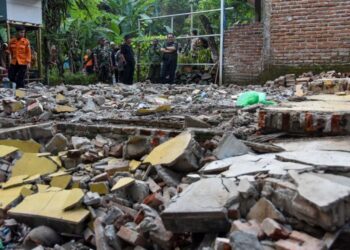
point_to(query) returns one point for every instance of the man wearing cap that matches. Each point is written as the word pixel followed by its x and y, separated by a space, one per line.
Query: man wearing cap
pixel 21 56
pixel 129 60
pixel 103 61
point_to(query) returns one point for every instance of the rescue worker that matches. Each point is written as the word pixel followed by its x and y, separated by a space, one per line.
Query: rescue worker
pixel 169 59
pixel 89 62
pixel 155 58
pixel 129 60
pixel 21 57
pixel 102 61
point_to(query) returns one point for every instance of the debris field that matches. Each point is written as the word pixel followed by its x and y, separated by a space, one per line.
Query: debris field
pixel 176 166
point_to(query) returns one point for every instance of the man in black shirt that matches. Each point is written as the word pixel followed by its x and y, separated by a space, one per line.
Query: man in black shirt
pixel 169 59
pixel 129 60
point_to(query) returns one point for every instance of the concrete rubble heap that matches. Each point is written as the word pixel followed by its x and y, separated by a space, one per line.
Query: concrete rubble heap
pixel 148 168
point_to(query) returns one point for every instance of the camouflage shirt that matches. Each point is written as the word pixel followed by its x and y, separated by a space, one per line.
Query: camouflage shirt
pixel 154 54
pixel 103 55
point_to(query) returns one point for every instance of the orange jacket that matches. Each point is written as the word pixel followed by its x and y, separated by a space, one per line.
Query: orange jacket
pixel 20 51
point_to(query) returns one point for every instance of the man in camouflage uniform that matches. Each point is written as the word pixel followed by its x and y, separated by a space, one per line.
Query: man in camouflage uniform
pixel 155 58
pixel 102 61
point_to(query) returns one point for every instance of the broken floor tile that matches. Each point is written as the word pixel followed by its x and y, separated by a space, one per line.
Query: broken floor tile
pixel 30 164
pixel 202 209
pixel 48 208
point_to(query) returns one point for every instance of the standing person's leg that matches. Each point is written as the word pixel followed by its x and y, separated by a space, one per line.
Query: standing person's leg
pixel 132 71
pixel 126 74
pixel 121 76
pixel 116 75
pixel 21 74
pixel 157 73
pixel 100 74
pixel 150 73
pixel 12 73
pixel 165 71
pixel 172 71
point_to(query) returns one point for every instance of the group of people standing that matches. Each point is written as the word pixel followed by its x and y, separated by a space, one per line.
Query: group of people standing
pixel 110 61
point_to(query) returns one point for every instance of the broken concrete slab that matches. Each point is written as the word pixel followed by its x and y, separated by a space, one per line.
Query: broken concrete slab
pixel 180 153
pixel 243 241
pixel 251 227
pixel 193 122
pixel 57 144
pixel 326 160
pixel 250 165
pixel 136 147
pixel 199 209
pixel 171 178
pixel 285 197
pixel 298 240
pixel 230 146
pixel 274 230
pixel 265 209
pixel 219 166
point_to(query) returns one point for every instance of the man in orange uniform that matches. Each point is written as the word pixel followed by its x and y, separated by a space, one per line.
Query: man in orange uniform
pixel 21 57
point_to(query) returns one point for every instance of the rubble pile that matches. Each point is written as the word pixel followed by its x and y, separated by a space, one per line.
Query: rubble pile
pixel 174 188
pixel 77 193
pixel 142 104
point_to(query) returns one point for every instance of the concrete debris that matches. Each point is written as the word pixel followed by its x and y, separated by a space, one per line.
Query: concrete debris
pixel 230 146
pixel 176 167
pixel 210 214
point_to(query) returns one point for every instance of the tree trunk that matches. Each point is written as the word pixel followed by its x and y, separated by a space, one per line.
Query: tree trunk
pixel 211 40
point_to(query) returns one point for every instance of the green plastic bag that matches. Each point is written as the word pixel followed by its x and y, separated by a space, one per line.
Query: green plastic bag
pixel 252 97
pixel 1 246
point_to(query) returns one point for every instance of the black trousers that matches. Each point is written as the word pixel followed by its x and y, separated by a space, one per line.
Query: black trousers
pixel 17 74
pixel 116 75
pixel 128 74
pixel 104 74
pixel 154 73
pixel 89 70
pixel 168 70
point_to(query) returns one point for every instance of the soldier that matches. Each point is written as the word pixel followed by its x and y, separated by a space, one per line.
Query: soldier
pixel 155 58
pixel 102 61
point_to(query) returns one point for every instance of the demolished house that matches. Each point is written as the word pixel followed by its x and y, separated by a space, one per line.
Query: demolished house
pixel 176 167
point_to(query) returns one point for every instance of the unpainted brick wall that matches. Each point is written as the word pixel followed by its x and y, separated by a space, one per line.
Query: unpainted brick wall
pixel 296 33
pixel 243 46
pixel 305 32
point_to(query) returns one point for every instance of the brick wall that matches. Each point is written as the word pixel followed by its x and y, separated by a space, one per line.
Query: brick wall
pixel 292 33
pixel 243 47
pixel 305 32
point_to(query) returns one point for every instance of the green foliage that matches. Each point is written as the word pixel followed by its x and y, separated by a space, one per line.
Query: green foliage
pixel 70 78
